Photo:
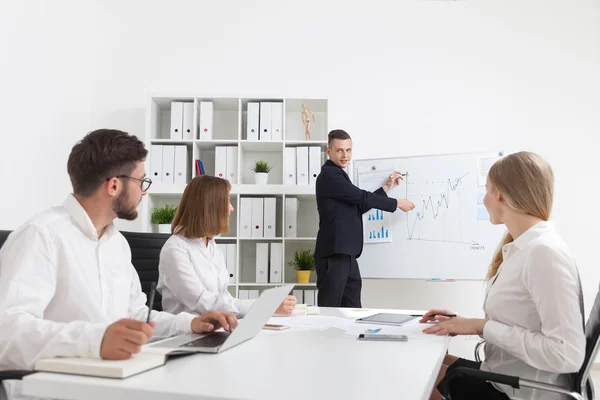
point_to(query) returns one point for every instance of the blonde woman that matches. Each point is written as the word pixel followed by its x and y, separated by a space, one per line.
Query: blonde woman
pixel 533 323
pixel 193 276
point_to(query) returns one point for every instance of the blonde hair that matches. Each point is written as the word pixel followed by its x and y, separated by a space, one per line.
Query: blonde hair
pixel 526 182
pixel 204 208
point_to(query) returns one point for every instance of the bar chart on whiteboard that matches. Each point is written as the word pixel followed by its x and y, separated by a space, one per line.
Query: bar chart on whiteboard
pixel 377 227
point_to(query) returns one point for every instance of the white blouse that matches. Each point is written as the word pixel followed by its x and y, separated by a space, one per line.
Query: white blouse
pixel 193 278
pixel 535 326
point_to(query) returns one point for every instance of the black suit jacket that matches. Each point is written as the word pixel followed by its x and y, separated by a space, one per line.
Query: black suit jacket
pixel 341 206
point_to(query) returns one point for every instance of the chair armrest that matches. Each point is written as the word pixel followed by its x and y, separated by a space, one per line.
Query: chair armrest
pixel 478 348
pixel 513 381
pixel 14 374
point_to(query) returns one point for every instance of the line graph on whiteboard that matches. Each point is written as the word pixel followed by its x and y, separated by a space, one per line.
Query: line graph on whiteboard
pixel 439 213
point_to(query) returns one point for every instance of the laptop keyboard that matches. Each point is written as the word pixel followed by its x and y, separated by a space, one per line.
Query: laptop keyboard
pixel 212 340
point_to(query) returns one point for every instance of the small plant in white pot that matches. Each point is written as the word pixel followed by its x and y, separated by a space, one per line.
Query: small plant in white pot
pixel 162 217
pixel 261 172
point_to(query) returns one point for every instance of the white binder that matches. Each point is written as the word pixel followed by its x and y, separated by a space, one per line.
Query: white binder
pixel 276 263
pixel 232 164
pixel 257 218
pixel 168 165
pixel 253 294
pixel 298 294
pixel 277 121
pixel 231 253
pixel 262 262
pixel 290 166
pixel 309 297
pixel 291 217
pixel 252 118
pixel 188 131
pixel 176 120
pixel 243 294
pixel 265 121
pixel 317 297
pixel 181 165
pixel 156 163
pixel 269 212
pixel 315 163
pixel 221 162
pixel 206 120
pixel 302 165
pixel 245 215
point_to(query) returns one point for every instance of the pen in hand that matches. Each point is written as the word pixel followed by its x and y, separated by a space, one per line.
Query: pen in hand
pixel 151 302
pixel 432 316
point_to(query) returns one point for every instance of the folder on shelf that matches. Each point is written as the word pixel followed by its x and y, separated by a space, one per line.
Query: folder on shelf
pixel 262 262
pixel 290 166
pixel 316 297
pixel 206 120
pixel 243 294
pixel 253 294
pixel 156 162
pixel 257 218
pixel 277 121
pixel 252 121
pixel 176 120
pixel 232 164
pixel 276 263
pixel 245 217
pixel 291 217
pixel 265 121
pixel 269 214
pixel 168 165
pixel 181 165
pixel 221 162
pixel 188 131
pixel 315 163
pixel 302 165
pixel 201 166
pixel 309 297
pixel 231 253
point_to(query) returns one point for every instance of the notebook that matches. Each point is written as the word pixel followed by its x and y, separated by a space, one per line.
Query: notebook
pixel 145 360
pixel 301 310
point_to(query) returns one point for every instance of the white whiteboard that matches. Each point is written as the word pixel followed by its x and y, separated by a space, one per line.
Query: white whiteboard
pixel 447 236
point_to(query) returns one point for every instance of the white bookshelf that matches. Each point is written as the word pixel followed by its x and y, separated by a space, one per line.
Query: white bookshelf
pixel 230 122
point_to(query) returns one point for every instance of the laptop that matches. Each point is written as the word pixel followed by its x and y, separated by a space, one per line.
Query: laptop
pixel 216 342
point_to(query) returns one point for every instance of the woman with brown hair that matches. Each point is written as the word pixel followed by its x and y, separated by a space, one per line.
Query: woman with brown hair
pixel 533 324
pixel 193 275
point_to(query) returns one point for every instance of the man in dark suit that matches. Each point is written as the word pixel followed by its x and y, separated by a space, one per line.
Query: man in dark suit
pixel 340 238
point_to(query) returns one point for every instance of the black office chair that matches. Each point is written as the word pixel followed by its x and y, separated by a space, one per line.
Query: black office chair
pixel 3 237
pixel 145 255
pixel 582 389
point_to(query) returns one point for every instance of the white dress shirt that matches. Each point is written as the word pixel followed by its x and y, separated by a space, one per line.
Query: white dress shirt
pixel 193 278
pixel 535 326
pixel 61 286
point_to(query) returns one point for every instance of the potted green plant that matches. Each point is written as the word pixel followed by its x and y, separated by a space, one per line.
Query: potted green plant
pixel 261 172
pixel 162 217
pixel 303 263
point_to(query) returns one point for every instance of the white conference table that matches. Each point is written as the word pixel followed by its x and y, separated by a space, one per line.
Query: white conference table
pixel 301 363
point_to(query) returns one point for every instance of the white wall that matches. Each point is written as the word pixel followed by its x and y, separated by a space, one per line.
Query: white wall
pixel 403 77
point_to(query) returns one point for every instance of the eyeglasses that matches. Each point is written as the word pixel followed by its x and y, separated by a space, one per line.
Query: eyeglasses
pixel 144 182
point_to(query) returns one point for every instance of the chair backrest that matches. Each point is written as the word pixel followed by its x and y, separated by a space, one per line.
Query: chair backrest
pixel 3 237
pixel 145 255
pixel 582 379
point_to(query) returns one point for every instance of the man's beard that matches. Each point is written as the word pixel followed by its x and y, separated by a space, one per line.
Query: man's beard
pixel 120 207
